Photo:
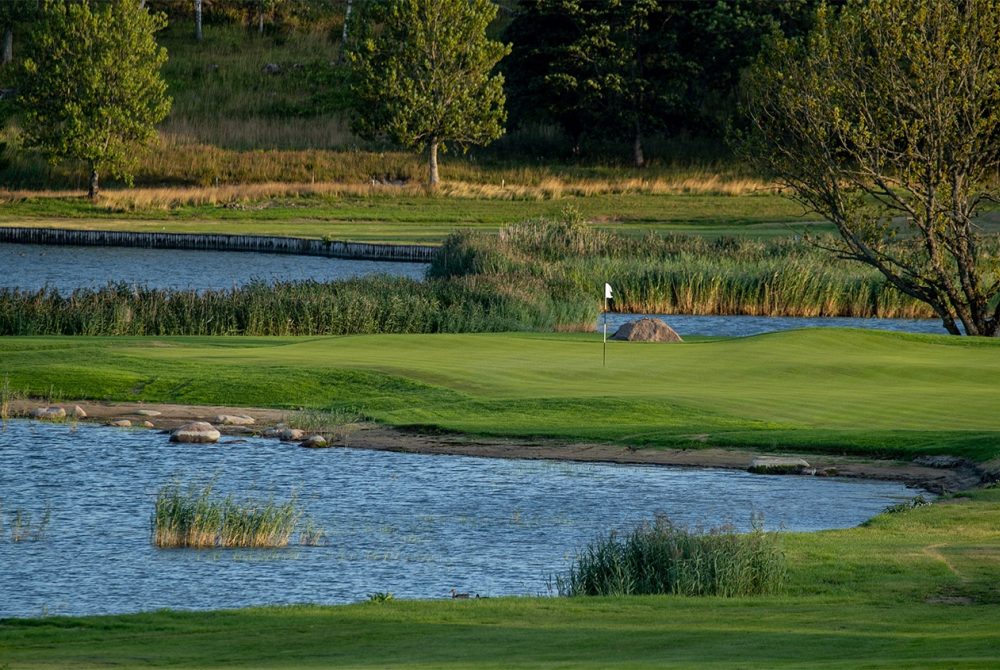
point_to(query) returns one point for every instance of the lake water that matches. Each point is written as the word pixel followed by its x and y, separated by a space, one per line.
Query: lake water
pixel 31 267
pixel 413 525
pixel 743 326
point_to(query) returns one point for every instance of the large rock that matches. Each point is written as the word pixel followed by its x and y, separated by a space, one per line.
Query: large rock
pixel 291 434
pixel 48 413
pixel 314 442
pixel 647 330
pixel 120 423
pixel 196 432
pixel 780 465
pixel 78 412
pixel 234 420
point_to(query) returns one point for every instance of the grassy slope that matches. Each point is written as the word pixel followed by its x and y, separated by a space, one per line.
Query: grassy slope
pixel 421 219
pixel 909 590
pixel 833 390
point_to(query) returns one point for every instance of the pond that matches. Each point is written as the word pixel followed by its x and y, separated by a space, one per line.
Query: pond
pixel 413 525
pixel 743 326
pixel 33 266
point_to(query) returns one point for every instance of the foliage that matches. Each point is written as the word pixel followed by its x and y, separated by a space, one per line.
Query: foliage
pixel 628 68
pixel 886 121
pixel 422 74
pixel 662 557
pixel 91 87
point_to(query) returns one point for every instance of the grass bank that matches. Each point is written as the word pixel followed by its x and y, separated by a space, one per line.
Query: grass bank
pixel 908 590
pixel 833 391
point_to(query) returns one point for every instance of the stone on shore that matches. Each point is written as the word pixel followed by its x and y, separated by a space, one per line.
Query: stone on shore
pixel 196 432
pixel 779 465
pixel 646 330
pixel 148 412
pixel 314 442
pixel 234 420
pixel 291 434
pixel 78 412
pixel 120 423
pixel 147 424
pixel 48 413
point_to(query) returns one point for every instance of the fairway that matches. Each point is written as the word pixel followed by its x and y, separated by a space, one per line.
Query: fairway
pixel 832 390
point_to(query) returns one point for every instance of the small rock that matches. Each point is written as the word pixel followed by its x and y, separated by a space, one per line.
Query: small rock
pixel 271 68
pixel 234 420
pixel 779 465
pixel 148 424
pixel 120 423
pixel 196 432
pixel 290 434
pixel 48 413
pixel 314 442
pixel 78 412
pixel 148 412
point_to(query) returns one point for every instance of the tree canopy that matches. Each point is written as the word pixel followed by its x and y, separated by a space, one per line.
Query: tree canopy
pixel 886 121
pixel 423 74
pixel 90 85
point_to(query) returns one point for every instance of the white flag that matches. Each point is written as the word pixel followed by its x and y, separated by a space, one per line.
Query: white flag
pixel 607 292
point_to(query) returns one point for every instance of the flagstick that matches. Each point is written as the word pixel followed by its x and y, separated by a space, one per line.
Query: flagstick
pixel 605 330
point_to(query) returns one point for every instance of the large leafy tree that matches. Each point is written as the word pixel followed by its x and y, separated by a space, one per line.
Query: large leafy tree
pixel 631 67
pixel 886 121
pixel 91 88
pixel 423 74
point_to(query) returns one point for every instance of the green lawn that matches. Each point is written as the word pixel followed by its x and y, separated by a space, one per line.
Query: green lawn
pixel 909 590
pixel 427 220
pixel 812 390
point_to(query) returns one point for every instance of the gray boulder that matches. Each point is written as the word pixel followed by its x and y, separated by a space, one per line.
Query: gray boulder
pixel 196 432
pixel 48 413
pixel 646 330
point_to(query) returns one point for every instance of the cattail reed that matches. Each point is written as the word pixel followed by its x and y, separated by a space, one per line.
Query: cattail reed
pixel 663 558
pixel 197 519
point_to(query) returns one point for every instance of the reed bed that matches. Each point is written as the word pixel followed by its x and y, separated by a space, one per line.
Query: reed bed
pixel 664 558
pixel 368 305
pixel 22 525
pixel 196 518
pixel 673 274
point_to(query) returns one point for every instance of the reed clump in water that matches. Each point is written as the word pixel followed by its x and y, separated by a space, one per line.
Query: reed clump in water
pixel 664 558
pixel 22 525
pixel 196 518
pixel 679 274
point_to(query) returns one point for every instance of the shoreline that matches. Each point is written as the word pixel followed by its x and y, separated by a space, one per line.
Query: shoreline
pixel 377 437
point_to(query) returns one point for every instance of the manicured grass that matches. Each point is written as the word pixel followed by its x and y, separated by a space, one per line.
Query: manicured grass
pixel 909 590
pixel 821 390
pixel 417 219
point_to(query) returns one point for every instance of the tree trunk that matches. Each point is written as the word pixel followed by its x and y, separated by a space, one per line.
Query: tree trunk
pixel 432 174
pixel 8 45
pixel 260 18
pixel 197 20
pixel 347 18
pixel 92 191
pixel 637 155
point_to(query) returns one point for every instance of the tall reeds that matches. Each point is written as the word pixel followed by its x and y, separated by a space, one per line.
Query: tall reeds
pixel 663 558
pixel 196 518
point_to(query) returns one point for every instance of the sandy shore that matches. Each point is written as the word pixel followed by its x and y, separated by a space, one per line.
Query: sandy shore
pixel 377 437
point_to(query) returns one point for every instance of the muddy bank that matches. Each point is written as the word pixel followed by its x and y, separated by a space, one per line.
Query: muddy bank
pixel 957 477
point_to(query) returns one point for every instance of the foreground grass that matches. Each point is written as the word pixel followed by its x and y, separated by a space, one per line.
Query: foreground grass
pixel 820 390
pixel 915 589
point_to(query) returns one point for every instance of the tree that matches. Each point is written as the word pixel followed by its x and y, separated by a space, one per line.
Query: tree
pixel 422 74
pixel 886 121
pixel 90 85
pixel 12 14
pixel 198 34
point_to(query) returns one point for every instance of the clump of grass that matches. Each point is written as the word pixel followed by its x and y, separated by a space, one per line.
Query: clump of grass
pixel 196 518
pixel 7 397
pixel 381 597
pixel 25 526
pixel 663 558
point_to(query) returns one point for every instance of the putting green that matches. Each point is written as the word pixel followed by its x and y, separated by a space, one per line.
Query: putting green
pixel 835 390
